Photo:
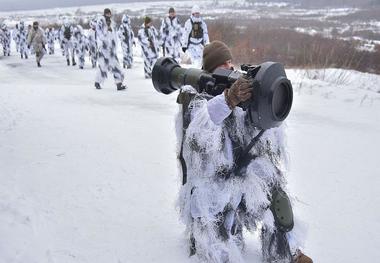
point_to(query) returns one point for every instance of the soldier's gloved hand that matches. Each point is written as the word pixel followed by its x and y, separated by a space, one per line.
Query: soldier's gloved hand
pixel 240 91
pixel 184 49
pixel 28 46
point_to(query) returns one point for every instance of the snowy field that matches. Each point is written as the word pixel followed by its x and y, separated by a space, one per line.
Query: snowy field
pixel 91 175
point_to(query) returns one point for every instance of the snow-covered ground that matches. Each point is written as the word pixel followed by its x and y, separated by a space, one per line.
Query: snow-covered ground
pixel 91 175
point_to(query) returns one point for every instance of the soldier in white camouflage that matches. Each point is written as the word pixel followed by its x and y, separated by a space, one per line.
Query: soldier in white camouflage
pixel 149 40
pixel 50 37
pixel 67 31
pixel 59 37
pixel 80 44
pixel 127 40
pixel 22 33
pixel 195 36
pixel 92 45
pixel 6 39
pixel 171 34
pixel 16 38
pixel 107 53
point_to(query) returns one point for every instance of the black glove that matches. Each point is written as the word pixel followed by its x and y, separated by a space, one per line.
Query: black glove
pixel 28 46
pixel 184 49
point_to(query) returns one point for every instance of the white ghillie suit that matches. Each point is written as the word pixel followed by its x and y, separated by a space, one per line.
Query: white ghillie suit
pixel 67 31
pixel 50 37
pixel 127 40
pixel 195 37
pixel 6 40
pixel 148 39
pixel 80 44
pixel 22 33
pixel 107 53
pixel 92 43
pixel 215 201
pixel 171 34
pixel 16 38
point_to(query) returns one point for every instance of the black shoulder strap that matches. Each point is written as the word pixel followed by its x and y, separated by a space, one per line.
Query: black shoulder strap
pixel 244 158
pixel 184 98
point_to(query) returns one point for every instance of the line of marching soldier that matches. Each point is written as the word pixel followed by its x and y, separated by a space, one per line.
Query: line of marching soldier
pixel 103 37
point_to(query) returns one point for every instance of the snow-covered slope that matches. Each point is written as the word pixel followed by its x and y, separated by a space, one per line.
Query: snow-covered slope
pixel 91 175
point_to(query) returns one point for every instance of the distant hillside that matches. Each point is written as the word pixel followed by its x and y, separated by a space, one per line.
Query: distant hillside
pixel 326 3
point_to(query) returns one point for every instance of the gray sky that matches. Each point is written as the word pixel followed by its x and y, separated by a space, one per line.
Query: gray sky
pixel 10 5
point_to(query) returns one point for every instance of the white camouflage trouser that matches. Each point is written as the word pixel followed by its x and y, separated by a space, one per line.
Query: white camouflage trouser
pixel 109 64
pixel 51 46
pixel 6 47
pixel 69 48
pixel 93 54
pixel 127 55
pixel 62 47
pixel 195 52
pixel 80 53
pixel 17 45
pixel 172 49
pixel 149 59
pixel 23 49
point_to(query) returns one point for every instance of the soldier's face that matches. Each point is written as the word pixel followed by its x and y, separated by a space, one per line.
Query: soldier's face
pixel 172 14
pixel 227 65
pixel 197 15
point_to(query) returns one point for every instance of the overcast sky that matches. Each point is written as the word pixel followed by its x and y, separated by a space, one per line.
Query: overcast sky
pixel 9 5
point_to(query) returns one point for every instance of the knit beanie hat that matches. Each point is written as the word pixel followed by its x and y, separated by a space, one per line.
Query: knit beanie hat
pixel 147 20
pixel 107 11
pixel 171 10
pixel 215 54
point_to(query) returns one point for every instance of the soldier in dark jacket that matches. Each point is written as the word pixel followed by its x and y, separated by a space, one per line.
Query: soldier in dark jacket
pixel 37 40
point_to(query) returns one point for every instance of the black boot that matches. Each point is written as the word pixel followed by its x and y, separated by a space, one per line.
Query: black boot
pixel 74 63
pixel 193 249
pixel 275 246
pixel 22 56
pixel 120 86
pixel 68 62
pixel 97 85
pixel 38 64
